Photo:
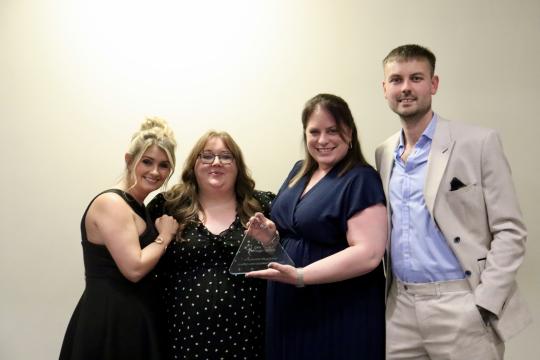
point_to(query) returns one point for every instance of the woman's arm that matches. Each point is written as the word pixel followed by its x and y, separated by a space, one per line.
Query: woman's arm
pixel 115 227
pixel 366 235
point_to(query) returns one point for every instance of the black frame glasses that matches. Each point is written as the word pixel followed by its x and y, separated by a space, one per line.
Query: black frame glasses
pixel 208 158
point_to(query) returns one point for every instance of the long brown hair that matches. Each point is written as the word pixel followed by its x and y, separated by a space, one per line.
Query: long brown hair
pixel 341 113
pixel 182 200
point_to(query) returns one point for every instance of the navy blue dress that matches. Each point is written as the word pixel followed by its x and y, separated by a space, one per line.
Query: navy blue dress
pixel 342 320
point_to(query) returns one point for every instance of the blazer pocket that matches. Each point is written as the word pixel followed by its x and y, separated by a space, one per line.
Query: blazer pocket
pixel 467 203
pixel 464 189
pixel 481 264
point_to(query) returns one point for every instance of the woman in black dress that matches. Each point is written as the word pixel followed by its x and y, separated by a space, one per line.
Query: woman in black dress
pixel 331 216
pixel 115 317
pixel 209 313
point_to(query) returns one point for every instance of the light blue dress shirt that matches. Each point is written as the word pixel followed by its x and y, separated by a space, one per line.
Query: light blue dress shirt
pixel 420 253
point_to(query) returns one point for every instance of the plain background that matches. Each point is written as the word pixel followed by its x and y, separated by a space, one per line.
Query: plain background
pixel 77 78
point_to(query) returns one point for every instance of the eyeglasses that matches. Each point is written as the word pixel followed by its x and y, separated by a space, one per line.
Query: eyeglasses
pixel 208 158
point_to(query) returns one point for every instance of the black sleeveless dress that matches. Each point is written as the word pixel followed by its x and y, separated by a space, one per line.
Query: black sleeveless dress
pixel 115 318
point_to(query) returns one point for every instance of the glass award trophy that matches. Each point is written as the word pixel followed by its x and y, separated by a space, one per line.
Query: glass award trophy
pixel 252 256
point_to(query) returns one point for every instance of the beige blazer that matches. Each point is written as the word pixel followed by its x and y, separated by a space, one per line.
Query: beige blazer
pixel 481 221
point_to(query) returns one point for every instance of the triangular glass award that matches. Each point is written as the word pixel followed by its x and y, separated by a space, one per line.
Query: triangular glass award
pixel 252 256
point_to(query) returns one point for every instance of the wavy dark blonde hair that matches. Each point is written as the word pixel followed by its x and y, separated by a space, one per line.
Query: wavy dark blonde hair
pixel 182 200
pixel 338 108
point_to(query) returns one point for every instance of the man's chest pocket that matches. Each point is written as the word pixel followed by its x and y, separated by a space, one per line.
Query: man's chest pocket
pixel 466 200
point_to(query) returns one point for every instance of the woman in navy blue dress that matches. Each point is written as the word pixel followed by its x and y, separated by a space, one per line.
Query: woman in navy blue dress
pixel 330 214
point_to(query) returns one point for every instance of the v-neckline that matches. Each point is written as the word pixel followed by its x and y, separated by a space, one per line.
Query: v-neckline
pixel 304 193
pixel 230 227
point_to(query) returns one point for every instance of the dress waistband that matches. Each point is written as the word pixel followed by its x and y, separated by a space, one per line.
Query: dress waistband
pixel 433 288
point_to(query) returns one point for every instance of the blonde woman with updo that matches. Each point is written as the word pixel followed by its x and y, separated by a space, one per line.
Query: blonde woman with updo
pixel 116 315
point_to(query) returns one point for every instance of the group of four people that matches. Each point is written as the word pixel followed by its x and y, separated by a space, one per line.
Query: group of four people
pixel 443 227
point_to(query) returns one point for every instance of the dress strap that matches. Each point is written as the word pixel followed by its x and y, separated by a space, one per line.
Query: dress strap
pixel 139 208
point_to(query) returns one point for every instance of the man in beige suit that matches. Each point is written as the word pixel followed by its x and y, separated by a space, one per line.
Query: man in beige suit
pixel 457 237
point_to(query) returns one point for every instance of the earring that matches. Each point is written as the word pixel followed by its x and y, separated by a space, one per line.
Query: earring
pixel 350 145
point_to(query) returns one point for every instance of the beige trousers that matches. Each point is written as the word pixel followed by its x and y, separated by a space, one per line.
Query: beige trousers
pixel 437 321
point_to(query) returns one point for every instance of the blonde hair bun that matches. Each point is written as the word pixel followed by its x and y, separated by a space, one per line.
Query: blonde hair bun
pixel 155 127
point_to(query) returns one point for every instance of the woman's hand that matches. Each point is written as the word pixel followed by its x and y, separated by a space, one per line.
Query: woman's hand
pixel 261 229
pixel 277 272
pixel 366 236
pixel 167 227
pixel 113 223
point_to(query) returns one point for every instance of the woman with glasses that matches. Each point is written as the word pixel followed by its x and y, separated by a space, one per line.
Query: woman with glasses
pixel 209 313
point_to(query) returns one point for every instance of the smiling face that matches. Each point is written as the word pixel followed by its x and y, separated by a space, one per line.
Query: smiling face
pixel 151 171
pixel 408 87
pixel 324 141
pixel 216 175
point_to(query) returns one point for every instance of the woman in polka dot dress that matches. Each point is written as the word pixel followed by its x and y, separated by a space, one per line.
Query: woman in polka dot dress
pixel 209 313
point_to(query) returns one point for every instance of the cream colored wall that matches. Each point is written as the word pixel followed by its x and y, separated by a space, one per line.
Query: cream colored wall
pixel 76 78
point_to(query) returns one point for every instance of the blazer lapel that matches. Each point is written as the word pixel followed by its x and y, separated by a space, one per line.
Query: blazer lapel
pixel 441 148
pixel 387 161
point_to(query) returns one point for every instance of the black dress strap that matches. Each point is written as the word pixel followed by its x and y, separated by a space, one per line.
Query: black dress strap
pixel 139 208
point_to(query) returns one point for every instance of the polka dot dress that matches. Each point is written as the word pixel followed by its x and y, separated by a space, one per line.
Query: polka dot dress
pixel 211 314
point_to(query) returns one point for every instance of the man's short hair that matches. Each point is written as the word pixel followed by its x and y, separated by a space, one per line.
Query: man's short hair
pixel 409 52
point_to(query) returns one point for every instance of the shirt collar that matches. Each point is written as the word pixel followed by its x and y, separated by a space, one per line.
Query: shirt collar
pixel 427 135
